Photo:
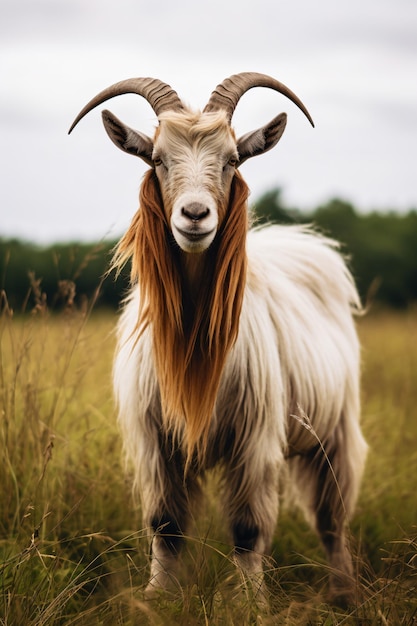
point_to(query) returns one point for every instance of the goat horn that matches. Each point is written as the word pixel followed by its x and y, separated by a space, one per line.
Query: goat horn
pixel 228 93
pixel 160 96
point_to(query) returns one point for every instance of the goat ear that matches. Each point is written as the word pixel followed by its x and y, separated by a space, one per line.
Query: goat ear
pixel 261 140
pixel 127 139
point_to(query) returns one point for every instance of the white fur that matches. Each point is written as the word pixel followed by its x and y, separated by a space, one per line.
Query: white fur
pixel 289 388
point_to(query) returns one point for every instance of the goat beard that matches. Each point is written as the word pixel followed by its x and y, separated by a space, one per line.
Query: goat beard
pixel 191 338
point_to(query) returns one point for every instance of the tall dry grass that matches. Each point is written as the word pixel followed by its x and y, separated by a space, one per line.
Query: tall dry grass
pixel 72 550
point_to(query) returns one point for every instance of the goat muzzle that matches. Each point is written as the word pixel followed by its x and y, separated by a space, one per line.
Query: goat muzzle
pixel 195 211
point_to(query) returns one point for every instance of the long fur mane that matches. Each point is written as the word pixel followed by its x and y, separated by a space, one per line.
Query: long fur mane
pixel 191 336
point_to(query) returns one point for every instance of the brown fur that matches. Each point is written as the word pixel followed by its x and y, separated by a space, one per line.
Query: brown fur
pixel 191 337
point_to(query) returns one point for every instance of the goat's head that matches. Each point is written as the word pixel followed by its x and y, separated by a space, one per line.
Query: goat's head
pixel 194 155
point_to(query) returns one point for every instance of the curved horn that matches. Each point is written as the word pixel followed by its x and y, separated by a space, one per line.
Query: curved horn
pixel 160 96
pixel 228 93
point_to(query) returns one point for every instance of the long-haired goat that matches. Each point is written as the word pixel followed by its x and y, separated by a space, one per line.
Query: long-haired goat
pixel 234 348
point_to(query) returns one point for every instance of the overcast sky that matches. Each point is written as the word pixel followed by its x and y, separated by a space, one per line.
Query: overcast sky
pixel 354 65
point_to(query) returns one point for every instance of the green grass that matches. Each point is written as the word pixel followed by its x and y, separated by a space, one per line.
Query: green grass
pixel 72 549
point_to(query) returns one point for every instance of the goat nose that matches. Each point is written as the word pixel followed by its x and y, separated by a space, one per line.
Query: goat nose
pixel 195 211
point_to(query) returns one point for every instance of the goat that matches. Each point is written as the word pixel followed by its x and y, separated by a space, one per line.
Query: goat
pixel 236 346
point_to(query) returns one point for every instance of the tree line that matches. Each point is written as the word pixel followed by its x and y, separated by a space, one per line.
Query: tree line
pixel 381 247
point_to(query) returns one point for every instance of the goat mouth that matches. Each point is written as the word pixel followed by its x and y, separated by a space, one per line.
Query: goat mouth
pixel 195 235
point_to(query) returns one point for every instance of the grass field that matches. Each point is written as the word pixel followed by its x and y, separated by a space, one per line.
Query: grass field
pixel 72 550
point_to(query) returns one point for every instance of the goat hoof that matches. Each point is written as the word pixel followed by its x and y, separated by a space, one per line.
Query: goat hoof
pixel 344 598
pixel 157 588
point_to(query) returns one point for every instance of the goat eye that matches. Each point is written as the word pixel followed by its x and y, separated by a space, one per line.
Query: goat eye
pixel 157 161
pixel 232 162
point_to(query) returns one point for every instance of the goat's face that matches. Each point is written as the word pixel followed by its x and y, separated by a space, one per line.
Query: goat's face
pixel 195 156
